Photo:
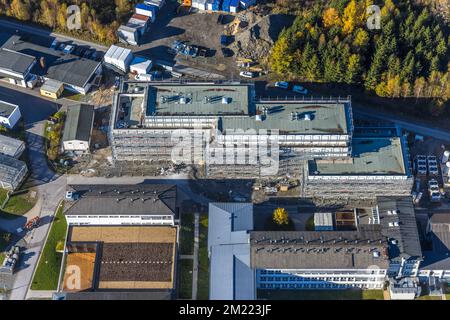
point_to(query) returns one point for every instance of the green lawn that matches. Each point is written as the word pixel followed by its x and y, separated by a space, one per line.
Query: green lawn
pixel 5 238
pixel 19 204
pixel 185 279
pixel 349 294
pixel 3 194
pixel 47 272
pixel 187 233
pixel 427 297
pixel 203 261
pixel 310 224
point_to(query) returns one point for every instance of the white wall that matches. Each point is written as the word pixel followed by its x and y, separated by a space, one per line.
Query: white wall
pixel 120 220
pixel 12 120
pixel 76 145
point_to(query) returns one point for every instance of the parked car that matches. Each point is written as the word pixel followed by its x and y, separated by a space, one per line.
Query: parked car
pixel 88 53
pixel 227 52
pixel 61 46
pixel 69 49
pixel 282 84
pixel 247 74
pixel 54 44
pixel 299 89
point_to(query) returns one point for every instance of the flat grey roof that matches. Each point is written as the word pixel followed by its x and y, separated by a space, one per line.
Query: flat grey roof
pixel 318 250
pixel 371 156
pixel 15 61
pixel 78 125
pixel 142 199
pixel 440 232
pixel 406 234
pixel 10 146
pixel 226 219
pixel 324 118
pixel 164 100
pixel 6 109
pixel 66 68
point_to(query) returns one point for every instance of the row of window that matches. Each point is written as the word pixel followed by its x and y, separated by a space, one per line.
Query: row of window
pixel 318 286
pixel 302 279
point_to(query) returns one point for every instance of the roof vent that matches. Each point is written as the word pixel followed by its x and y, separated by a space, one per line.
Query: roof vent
pixel 376 254
pixel 396 224
pixel 225 100
pixel 307 117
pixel 183 100
pixel 259 117
pixel 395 212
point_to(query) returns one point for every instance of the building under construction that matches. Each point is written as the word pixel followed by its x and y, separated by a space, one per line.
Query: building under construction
pixel 378 166
pixel 233 134
pixel 223 126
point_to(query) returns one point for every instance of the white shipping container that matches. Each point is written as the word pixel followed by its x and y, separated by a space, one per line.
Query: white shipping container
pixel 119 57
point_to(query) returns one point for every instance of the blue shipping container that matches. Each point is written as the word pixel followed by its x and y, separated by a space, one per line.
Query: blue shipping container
pixel 234 3
pixel 226 5
pixel 216 5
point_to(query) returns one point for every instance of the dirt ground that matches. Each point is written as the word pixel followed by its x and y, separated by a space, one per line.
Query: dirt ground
pixel 199 28
pixel 86 262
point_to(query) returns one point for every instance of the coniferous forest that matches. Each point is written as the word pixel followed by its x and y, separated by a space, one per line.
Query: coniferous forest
pixel 329 42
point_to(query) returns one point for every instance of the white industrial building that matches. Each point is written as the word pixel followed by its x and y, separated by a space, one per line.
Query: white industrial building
pixel 78 128
pixel 9 114
pixel 118 57
pixel 121 205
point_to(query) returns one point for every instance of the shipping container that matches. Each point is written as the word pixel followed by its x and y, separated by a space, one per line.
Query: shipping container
pixel 210 5
pixel 217 5
pixel 234 6
pixel 226 5
pixel 147 10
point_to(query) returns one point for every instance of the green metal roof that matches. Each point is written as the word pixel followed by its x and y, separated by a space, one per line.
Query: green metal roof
pixel 237 104
pixel 323 118
pixel 78 123
pixel 371 156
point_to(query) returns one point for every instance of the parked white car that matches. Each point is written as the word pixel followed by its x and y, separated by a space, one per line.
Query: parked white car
pixel 247 74
pixel 282 84
pixel 300 89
